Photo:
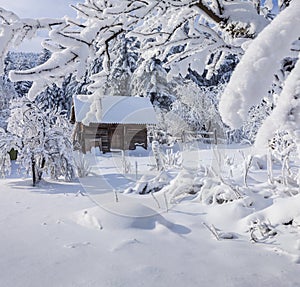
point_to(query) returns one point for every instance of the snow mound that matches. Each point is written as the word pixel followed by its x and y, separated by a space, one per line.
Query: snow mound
pixel 282 211
pixel 87 219
pixel 125 215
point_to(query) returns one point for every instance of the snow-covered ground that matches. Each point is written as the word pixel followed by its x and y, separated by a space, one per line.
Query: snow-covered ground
pixel 90 233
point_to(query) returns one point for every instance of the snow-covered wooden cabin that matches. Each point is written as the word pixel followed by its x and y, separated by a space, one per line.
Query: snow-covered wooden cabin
pixel 123 124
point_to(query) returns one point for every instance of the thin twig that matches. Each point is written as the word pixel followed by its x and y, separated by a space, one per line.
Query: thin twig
pixel 155 199
pixel 213 230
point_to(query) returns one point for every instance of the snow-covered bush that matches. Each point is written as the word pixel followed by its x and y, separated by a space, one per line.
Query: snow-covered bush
pixel 186 183
pixel 5 164
pixel 283 148
pixel 203 185
pixel 164 162
pixel 126 165
pixel 146 185
pixel 82 165
pixel 172 159
pixel 42 140
pixel 261 231
pixel 166 158
pixel 194 112
pixel 8 142
pixel 214 191
pixel 282 145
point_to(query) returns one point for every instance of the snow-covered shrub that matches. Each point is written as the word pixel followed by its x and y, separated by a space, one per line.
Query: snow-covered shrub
pixel 186 183
pixel 283 148
pixel 126 165
pixel 282 145
pixel 83 167
pixel 8 142
pixel 42 139
pixel 214 191
pixel 194 111
pixel 172 159
pixel 202 185
pixel 5 165
pixel 260 231
pixel 166 159
pixel 145 186
pixel 176 128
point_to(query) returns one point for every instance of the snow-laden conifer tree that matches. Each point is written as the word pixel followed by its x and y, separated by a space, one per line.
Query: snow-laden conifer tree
pixel 21 61
pixel 150 80
pixel 7 93
pixel 124 58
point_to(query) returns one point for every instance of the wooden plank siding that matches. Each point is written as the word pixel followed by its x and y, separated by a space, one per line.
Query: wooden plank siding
pixel 111 136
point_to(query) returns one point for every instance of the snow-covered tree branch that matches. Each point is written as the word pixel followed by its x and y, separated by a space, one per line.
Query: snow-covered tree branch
pixel 184 35
pixel 13 30
pixel 254 75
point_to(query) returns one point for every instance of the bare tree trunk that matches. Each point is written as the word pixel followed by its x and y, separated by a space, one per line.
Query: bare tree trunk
pixel 40 173
pixel 214 16
pixel 33 167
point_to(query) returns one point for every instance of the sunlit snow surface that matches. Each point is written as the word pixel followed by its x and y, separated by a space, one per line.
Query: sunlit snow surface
pixel 89 233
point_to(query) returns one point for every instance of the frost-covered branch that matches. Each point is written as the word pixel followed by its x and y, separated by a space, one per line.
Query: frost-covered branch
pixel 286 115
pixel 13 30
pixel 185 35
pixel 253 76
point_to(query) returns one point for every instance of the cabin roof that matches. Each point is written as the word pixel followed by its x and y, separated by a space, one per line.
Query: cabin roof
pixel 117 110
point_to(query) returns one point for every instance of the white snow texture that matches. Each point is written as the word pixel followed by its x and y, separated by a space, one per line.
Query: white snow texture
pixel 254 74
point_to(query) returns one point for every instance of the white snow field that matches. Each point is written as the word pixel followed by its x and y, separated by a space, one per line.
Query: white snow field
pixel 89 233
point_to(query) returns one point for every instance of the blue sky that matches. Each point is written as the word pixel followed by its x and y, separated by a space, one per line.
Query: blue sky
pixel 38 9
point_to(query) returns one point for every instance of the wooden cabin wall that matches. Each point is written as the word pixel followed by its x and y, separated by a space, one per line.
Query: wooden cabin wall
pixel 127 136
pixel 111 136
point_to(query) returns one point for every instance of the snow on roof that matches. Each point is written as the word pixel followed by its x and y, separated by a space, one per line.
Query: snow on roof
pixel 118 110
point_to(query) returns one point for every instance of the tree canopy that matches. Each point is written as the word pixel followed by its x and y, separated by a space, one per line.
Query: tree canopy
pixel 184 36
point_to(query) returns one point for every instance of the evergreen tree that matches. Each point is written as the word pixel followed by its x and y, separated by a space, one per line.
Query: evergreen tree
pixel 150 80
pixel 123 63
pixel 7 93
